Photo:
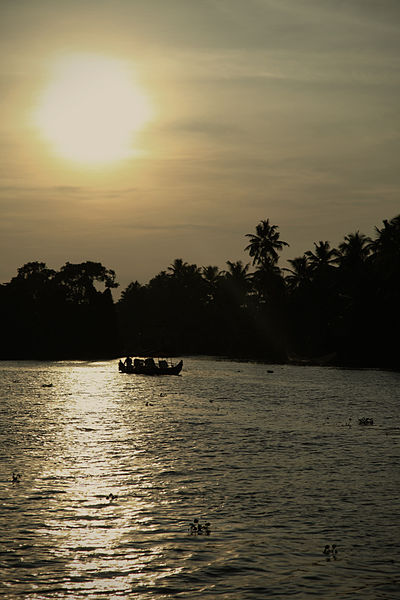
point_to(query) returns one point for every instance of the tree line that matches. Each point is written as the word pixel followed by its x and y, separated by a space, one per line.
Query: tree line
pixel 51 314
pixel 336 305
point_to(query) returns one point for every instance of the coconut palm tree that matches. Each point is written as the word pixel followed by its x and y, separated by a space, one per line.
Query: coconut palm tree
pixel 323 256
pixel 178 267
pixel 388 236
pixel 300 273
pixel 212 277
pixel 386 249
pixel 265 244
pixel 237 279
pixel 238 271
pixel 354 250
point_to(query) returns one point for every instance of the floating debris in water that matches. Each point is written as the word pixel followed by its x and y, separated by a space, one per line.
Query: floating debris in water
pixel 196 528
pixel 330 551
pixel 348 424
pixel 47 385
pixel 111 497
pixel 365 421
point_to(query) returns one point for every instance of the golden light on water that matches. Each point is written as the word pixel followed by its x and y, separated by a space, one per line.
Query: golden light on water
pixel 91 109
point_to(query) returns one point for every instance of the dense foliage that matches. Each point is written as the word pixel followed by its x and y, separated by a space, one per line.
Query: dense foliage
pixel 337 305
pixel 51 314
pixel 332 304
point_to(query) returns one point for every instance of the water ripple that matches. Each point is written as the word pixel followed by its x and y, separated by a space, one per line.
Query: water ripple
pixel 276 462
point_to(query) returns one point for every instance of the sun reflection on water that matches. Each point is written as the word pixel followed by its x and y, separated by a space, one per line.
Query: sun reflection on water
pixel 98 461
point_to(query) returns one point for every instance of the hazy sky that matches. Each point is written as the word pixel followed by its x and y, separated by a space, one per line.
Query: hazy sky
pixel 254 109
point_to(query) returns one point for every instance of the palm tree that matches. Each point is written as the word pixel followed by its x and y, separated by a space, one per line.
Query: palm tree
pixel 323 256
pixel 211 274
pixel 184 273
pixel 386 275
pixel 212 277
pixel 265 244
pixel 354 250
pixel 237 279
pixel 238 271
pixel 300 273
pixel 178 267
pixel 388 236
pixel 386 249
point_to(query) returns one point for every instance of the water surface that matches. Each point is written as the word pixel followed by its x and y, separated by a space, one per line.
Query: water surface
pixel 272 456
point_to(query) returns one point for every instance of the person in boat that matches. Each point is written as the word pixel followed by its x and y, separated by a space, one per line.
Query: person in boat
pixel 128 362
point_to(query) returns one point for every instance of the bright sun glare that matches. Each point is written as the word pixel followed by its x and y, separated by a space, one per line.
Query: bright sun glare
pixel 91 109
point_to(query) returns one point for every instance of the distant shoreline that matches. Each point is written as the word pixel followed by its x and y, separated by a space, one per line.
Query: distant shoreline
pixel 330 360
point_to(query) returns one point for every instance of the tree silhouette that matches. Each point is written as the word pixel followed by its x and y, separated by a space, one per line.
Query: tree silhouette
pixel 238 279
pixel 269 309
pixel 60 314
pixel 212 277
pixel 323 256
pixel 354 250
pixel 300 273
pixel 265 244
pixel 79 280
pixel 339 302
pixel 386 249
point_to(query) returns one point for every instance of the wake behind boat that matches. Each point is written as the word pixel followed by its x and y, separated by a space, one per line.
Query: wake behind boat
pixel 148 366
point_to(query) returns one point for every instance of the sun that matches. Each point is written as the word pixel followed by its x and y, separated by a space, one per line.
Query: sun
pixel 91 109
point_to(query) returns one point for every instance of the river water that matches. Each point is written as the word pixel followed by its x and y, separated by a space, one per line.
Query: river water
pixel 272 456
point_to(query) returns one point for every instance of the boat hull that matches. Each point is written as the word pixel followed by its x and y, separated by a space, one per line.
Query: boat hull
pixel 151 370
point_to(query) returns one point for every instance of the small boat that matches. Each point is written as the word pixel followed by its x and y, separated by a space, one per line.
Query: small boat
pixel 148 366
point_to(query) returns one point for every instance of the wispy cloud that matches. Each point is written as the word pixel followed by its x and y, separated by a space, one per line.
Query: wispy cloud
pixel 285 109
